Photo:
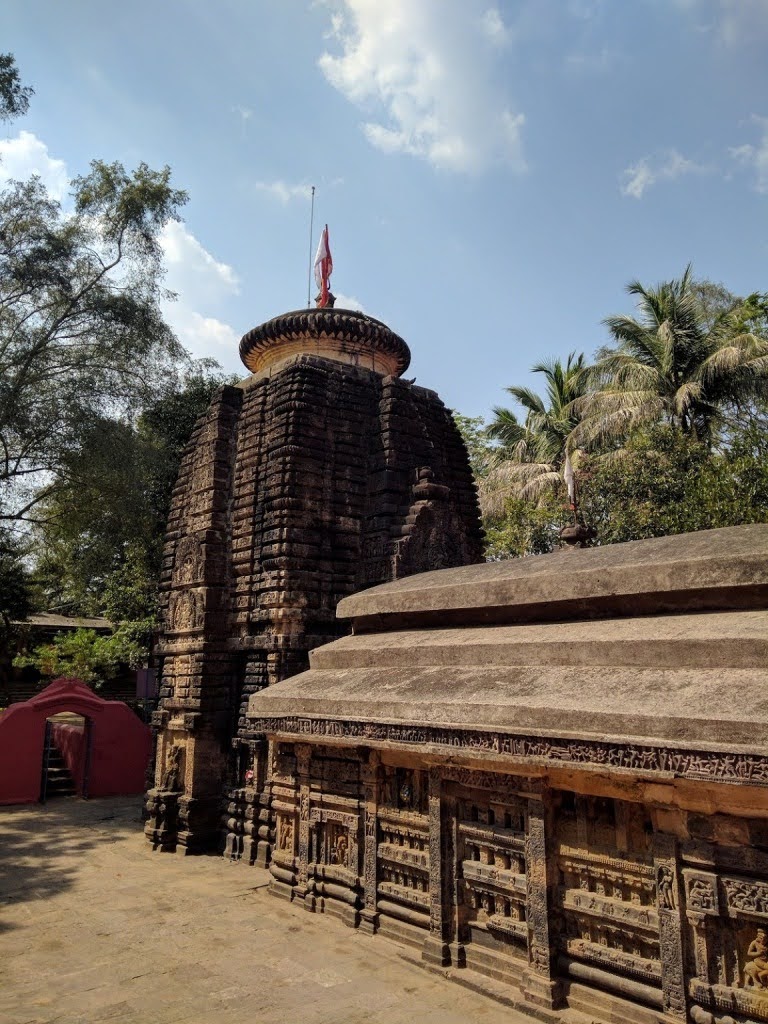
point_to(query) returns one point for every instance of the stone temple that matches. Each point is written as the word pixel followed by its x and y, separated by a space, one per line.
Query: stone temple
pixel 322 473
pixel 547 777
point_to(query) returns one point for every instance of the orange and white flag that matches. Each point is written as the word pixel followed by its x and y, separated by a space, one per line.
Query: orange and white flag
pixel 323 267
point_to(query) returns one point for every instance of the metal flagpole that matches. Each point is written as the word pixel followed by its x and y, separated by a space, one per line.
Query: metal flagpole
pixel 309 269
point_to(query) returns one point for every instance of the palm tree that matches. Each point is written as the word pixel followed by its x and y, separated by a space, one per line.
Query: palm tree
pixel 676 363
pixel 530 456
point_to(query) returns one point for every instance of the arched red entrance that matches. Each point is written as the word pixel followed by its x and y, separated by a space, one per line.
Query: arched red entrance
pixel 119 743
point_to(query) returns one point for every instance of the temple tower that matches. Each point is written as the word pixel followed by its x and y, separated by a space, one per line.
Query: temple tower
pixel 322 473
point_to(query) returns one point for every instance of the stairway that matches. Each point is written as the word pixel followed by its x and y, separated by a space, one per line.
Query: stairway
pixel 59 781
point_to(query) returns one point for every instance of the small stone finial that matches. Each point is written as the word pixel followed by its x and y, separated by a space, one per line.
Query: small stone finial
pixel 576 535
pixel 331 301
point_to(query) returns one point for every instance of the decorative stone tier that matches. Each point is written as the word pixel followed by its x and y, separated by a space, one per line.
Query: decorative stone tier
pixel 506 768
pixel 343 335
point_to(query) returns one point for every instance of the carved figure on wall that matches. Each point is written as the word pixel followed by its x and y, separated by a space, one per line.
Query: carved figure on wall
pixel 286 836
pixel 665 884
pixel 406 794
pixel 188 566
pixel 340 849
pixel 183 611
pixel 171 780
pixel 756 969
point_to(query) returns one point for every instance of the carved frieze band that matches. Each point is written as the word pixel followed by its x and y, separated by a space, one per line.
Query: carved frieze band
pixel 745 896
pixel 698 764
pixel 317 814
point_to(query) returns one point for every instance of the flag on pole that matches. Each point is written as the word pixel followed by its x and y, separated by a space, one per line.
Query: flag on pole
pixel 570 479
pixel 323 267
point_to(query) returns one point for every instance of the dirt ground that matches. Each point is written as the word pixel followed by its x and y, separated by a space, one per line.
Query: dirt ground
pixel 96 927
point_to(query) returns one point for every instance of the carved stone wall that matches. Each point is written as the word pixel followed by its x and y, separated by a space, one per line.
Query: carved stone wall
pixel 302 485
pixel 573 899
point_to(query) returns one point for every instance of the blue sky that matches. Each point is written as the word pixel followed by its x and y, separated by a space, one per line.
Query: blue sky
pixel 493 172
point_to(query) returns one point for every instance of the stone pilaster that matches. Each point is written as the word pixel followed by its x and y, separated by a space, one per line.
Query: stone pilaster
pixel 303 761
pixel 541 984
pixel 369 917
pixel 669 902
pixel 436 949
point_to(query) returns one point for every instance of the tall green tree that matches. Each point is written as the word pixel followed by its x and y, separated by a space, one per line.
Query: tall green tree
pixel 687 359
pixel 667 482
pixel 530 455
pixel 480 448
pixel 81 331
pixel 100 532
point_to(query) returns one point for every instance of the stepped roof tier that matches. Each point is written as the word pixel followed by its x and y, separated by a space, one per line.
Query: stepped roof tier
pixel 646 641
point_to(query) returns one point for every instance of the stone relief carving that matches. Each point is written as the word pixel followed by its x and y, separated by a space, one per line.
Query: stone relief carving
pixel 285 840
pixel 701 892
pixel 756 969
pixel 339 848
pixel 618 905
pixel 745 896
pixel 665 881
pixel 689 764
pixel 171 778
pixel 186 610
pixel 188 565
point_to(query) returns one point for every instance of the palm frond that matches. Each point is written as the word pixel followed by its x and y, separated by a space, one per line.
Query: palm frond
pixel 528 398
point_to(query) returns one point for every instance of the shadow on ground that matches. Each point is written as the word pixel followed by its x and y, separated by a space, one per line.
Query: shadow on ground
pixel 37 842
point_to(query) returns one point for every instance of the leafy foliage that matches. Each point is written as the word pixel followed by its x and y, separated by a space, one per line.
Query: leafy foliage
pixel 97 399
pixel 15 586
pixel 683 361
pixel 14 97
pixel 667 483
pixel 530 456
pixel 479 447
pixel 90 656
pixel 101 532
pixel 81 333
pixel 667 432
pixel 525 527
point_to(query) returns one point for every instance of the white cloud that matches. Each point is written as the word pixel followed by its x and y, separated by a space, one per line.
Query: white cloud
pixel 283 191
pixel 348 302
pixel 200 282
pixel 424 71
pixel 647 171
pixel 201 335
pixel 585 10
pixel 493 26
pixel 756 156
pixel 27 155
pixel 191 270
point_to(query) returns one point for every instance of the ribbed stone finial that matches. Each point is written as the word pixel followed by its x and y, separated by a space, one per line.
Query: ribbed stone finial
pixel 343 335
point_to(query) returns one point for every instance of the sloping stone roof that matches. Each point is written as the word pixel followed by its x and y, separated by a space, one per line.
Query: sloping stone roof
pixel 709 569
pixel 693 679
